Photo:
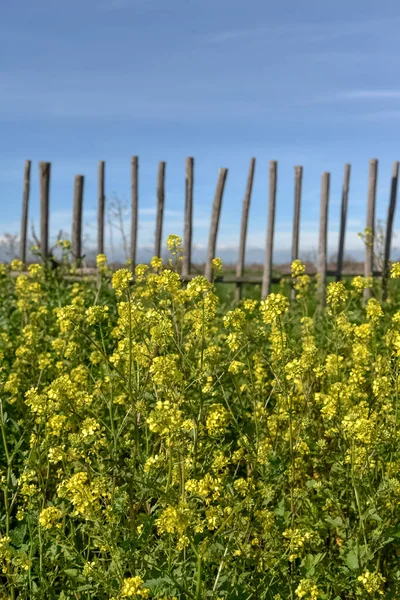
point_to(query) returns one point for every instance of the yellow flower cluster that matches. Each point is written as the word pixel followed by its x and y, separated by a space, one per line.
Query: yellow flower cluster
pixel 159 441
pixel 121 280
pixel 174 244
pixel 307 589
pixel 217 420
pixel 372 582
pixel 96 314
pixel 336 295
pixel 395 271
pixel 133 588
pixel 50 517
pixel 274 307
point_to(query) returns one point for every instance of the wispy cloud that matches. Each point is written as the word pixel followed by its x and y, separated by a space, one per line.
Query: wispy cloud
pixel 368 95
pixel 220 37
pixel 379 115
pixel 137 5
pixel 310 32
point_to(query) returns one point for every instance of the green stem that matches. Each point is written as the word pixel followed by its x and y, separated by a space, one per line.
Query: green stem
pixel 198 577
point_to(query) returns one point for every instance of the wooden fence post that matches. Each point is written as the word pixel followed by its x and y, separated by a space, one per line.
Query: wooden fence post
pixel 343 219
pixel 298 180
pixel 101 206
pixel 323 232
pixel 25 210
pixel 370 226
pixel 187 233
pixel 160 208
pixel 266 284
pixel 243 229
pixel 76 245
pixel 44 182
pixel 389 226
pixel 134 208
pixel 216 212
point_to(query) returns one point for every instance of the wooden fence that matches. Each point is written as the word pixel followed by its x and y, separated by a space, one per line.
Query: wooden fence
pixel 240 278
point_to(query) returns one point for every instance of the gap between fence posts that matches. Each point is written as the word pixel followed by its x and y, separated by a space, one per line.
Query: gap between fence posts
pixel 243 230
pixel 44 182
pixel 389 227
pixel 343 219
pixel 77 220
pixel 323 233
pixel 269 247
pixel 100 207
pixel 298 180
pixel 160 208
pixel 215 215
pixel 134 208
pixel 370 225
pixel 188 223
pixel 25 210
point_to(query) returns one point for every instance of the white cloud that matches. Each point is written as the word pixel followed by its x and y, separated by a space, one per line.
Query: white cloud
pixel 368 95
pixel 119 5
pixel 310 32
pixel 229 35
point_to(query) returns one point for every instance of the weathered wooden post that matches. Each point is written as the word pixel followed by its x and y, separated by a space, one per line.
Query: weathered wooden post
pixel 44 182
pixel 343 219
pixel 298 180
pixel 370 226
pixel 160 208
pixel 266 284
pixel 216 212
pixel 188 224
pixel 243 229
pixel 323 234
pixel 25 210
pixel 389 227
pixel 101 207
pixel 134 207
pixel 76 245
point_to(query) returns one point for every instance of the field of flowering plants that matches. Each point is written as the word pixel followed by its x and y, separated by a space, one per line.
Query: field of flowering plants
pixel 158 443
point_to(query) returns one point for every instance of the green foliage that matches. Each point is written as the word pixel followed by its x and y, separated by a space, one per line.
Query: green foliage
pixel 157 443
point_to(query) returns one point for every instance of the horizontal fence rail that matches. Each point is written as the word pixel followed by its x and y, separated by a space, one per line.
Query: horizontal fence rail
pixel 240 278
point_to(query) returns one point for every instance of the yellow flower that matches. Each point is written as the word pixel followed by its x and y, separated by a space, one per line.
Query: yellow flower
pixel 17 265
pixel 133 588
pixel 156 263
pixel 372 582
pixel 274 307
pixel 336 294
pixel 217 420
pixel 50 517
pixel 35 270
pixel 395 271
pixel 121 280
pixel 101 261
pixel 297 268
pixel 174 244
pixel 96 314
pixel 359 284
pixel 216 265
pixel 307 589
pixel 374 311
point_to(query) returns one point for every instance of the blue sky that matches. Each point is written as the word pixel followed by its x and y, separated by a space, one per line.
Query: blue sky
pixel 310 83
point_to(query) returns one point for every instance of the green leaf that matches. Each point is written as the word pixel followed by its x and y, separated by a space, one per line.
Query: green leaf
pixel 352 560
pixel 280 509
pixel 311 561
pixel 336 522
pixel 152 583
pixel 71 572
pixel 17 535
